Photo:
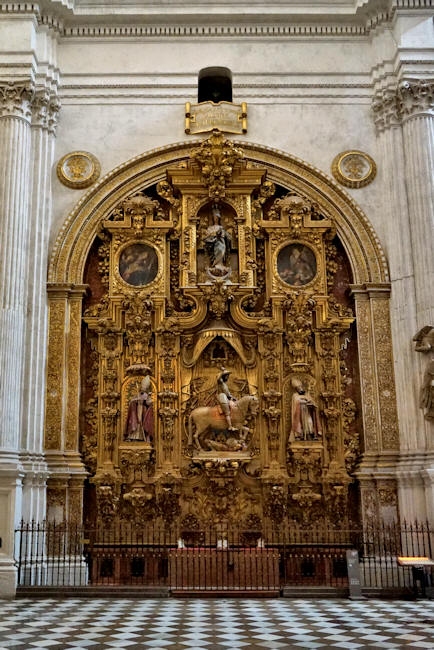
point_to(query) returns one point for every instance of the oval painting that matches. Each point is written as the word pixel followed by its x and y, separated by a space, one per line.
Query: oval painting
pixel 296 265
pixel 138 265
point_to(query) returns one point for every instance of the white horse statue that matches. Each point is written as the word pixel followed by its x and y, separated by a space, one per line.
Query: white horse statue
pixel 212 417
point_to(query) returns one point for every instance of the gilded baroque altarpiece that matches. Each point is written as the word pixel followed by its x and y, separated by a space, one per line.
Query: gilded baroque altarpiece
pixel 227 356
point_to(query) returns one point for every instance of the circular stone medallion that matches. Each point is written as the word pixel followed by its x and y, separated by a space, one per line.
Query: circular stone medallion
pixel 78 169
pixel 354 168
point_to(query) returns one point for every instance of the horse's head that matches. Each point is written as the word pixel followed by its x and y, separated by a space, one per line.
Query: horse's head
pixel 253 404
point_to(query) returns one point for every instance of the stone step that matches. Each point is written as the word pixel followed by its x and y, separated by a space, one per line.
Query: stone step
pixel 106 591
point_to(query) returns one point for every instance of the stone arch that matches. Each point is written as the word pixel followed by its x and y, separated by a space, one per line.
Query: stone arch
pixel 368 261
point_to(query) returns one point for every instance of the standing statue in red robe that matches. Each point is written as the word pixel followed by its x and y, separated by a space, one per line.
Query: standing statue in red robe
pixel 140 418
pixel 305 424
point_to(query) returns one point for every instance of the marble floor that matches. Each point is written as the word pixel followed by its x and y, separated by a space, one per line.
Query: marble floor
pixel 214 624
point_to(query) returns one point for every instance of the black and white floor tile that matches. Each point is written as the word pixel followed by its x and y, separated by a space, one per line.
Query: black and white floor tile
pixel 214 624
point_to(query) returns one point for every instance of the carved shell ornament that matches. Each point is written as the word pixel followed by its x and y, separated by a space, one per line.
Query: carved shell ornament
pixel 78 169
pixel 354 168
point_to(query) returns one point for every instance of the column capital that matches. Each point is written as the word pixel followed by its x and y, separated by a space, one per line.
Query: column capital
pixel 45 109
pixel 409 98
pixel 16 99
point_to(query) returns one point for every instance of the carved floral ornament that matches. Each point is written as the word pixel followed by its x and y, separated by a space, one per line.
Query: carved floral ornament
pixel 40 106
pixel 412 97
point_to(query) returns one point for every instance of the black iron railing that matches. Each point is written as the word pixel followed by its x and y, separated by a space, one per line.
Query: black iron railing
pixel 219 558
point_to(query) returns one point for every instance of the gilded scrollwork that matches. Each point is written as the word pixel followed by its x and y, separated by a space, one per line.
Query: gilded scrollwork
pixel 140 504
pixel 299 325
pixel 138 327
pixel 108 491
pixel 218 296
pixel 275 502
pixel 214 294
pixel 385 383
pixel 217 158
pixel 351 436
pixel 55 369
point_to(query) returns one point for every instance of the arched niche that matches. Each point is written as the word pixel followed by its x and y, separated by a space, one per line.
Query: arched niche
pixel 69 254
pixel 370 291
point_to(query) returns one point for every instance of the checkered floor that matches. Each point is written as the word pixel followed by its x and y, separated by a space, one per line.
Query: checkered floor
pixel 214 624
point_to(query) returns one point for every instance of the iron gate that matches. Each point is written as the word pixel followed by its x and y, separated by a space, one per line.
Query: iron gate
pixel 217 560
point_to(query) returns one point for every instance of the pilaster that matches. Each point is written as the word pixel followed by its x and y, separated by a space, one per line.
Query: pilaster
pixel 62 415
pixel 15 147
pixel 45 109
pixel 377 472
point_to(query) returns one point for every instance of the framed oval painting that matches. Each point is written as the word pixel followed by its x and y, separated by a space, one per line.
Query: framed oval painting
pixel 138 264
pixel 296 265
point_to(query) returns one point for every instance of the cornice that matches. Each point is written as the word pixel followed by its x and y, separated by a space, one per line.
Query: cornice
pixel 205 19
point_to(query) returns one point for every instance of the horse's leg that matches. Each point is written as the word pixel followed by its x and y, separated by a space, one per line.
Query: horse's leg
pixel 196 435
pixel 190 431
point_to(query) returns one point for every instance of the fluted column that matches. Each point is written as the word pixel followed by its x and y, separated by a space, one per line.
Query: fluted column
pixel 44 121
pixel 404 118
pixel 15 145
pixel 416 103
pixel 396 219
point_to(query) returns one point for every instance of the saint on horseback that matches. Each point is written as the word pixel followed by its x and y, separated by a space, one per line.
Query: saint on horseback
pixel 225 423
